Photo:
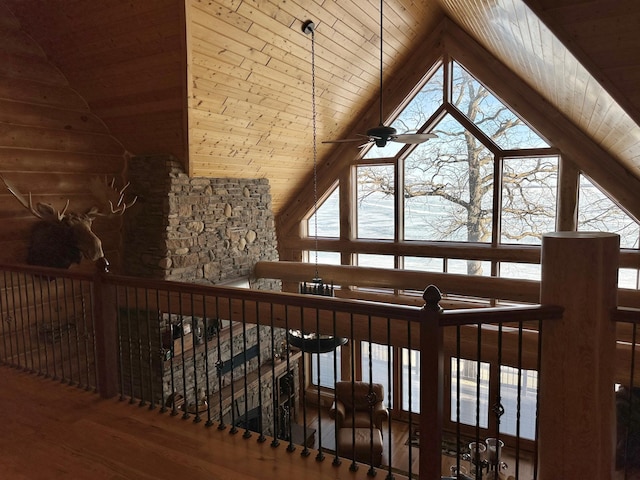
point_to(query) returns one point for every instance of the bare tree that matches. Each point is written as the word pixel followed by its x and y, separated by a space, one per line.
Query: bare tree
pixel 448 183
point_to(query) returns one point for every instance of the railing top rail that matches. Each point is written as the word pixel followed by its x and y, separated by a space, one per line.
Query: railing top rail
pixel 46 271
pixel 626 315
pixel 356 307
pixel 492 315
pixel 498 315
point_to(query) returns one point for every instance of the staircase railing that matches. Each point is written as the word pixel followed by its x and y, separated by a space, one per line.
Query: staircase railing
pixel 224 357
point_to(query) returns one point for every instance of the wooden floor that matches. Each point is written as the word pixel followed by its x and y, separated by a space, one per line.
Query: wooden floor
pixel 53 431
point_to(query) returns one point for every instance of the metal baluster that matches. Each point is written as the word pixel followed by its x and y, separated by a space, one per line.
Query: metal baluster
pixel 498 407
pixel 138 320
pixel 274 392
pixel 518 403
pixel 305 450
pixel 633 403
pixel 8 319
pixel 371 399
pixel 15 361
pixel 336 457
pixel 163 358
pixel 291 447
pixel 149 319
pixel 120 343
pixel 205 321
pixel 391 360
pixel 129 343
pixel 35 323
pixel 458 393
pixel 233 429
pixel 479 465
pixel 63 376
pixel 194 340
pixel 412 434
pixel 174 393
pixel 77 332
pixel 93 338
pixel 539 368
pixel 320 454
pixel 185 404
pixel 4 305
pixel 67 328
pixel 246 433
pixel 354 466
pixel 261 437
pixel 22 319
pixel 52 332
pixel 219 365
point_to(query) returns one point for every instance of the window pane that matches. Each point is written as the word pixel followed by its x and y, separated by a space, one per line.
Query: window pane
pixel 376 201
pixel 490 115
pixel 326 368
pixel 328 215
pixel 469 267
pixel 628 278
pixel 330 258
pixel 528 401
pixel 469 392
pixel 523 271
pixel 424 264
pixel 376 261
pixel 410 380
pixel 596 212
pixel 529 193
pixel 415 115
pixel 381 362
pixel 448 187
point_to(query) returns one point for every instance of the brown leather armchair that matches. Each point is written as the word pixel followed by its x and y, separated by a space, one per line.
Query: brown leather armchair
pixel 359 405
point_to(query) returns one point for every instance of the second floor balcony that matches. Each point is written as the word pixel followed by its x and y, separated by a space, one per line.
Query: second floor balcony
pixel 226 359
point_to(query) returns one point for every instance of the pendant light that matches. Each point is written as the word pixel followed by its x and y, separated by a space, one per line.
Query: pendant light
pixel 313 342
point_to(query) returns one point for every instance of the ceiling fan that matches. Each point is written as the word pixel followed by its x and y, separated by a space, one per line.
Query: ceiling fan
pixel 382 134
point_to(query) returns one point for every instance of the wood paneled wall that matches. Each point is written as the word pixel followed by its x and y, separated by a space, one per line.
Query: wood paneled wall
pixel 125 58
pixel 51 144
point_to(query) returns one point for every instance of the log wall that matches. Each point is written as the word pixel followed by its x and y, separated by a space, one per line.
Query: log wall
pixel 51 144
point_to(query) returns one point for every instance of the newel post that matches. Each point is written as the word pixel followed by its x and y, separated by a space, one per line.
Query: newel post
pixel 106 333
pixel 576 436
pixel 431 385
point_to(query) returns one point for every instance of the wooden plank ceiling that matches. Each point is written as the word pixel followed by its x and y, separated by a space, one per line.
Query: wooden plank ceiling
pixel 225 85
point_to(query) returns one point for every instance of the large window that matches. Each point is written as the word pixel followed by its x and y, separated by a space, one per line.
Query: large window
pixel 322 364
pixel 487 179
pixel 470 392
pixel 476 200
pixel 449 186
pixel 377 365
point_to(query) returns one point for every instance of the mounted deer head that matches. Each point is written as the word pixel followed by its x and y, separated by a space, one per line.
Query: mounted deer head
pixel 62 237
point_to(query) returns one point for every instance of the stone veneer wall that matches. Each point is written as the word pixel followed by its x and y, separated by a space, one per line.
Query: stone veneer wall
pixel 196 230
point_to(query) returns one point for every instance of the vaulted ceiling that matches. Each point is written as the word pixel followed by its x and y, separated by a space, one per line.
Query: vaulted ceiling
pixel 225 85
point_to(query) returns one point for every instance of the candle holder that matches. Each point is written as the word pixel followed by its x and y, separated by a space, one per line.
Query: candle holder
pixel 485 460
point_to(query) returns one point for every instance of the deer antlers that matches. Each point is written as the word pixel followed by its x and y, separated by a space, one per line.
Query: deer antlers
pixel 43 211
pixel 106 192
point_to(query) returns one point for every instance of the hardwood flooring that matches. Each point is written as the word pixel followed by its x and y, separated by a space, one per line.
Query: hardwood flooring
pixel 53 431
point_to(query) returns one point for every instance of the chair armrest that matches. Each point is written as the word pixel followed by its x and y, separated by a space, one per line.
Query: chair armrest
pixel 380 414
pixel 337 411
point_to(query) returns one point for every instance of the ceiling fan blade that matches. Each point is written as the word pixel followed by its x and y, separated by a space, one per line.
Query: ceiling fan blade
pixel 413 138
pixel 345 140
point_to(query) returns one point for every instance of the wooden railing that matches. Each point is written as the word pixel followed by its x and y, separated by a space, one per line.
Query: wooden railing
pixel 233 349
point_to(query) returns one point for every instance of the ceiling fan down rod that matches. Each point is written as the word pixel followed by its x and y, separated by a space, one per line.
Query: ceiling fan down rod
pixel 381 63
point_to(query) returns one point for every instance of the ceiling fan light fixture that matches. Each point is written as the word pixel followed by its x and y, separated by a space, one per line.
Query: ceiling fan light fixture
pixel 382 134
